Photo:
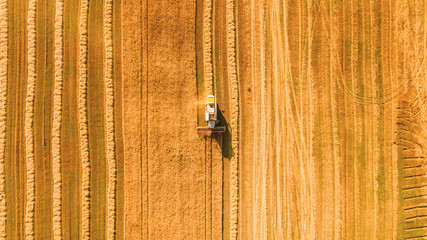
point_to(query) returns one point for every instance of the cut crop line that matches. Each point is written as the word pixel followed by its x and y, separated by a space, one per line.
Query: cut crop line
pixel 3 102
pixel 416 187
pixel 57 121
pixel 414 176
pixel 414 217
pixel 416 196
pixel 232 76
pixel 412 167
pixel 413 228
pixel 207 47
pixel 109 116
pixel 415 207
pixel 415 158
pixel 29 121
pixel 417 237
pixel 83 120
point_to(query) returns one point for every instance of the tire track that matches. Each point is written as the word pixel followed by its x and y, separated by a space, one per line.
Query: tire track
pixel 83 120
pixel 277 198
pixel 29 121
pixel 3 102
pixel 57 121
pixel 366 173
pixel 109 115
pixel 311 100
pixel 232 76
pixel 207 47
pixel 336 155
pixel 377 113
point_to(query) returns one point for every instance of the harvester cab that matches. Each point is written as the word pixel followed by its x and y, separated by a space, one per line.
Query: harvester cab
pixel 211 118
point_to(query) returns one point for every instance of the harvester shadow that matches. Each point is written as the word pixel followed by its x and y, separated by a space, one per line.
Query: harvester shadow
pixel 224 140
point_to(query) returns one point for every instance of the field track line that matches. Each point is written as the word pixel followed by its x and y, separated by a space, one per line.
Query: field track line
pixel 109 116
pixel 3 102
pixel 83 119
pixel 57 121
pixel 29 121
pixel 232 76
pixel 334 125
pixel 311 109
pixel 207 47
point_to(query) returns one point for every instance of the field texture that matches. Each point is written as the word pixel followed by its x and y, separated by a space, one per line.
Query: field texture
pixel 324 104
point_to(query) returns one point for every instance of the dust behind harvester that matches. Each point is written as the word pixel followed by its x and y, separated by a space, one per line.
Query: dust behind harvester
pixel 211 118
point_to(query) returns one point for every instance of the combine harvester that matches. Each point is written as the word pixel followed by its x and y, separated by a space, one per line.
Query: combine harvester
pixel 211 117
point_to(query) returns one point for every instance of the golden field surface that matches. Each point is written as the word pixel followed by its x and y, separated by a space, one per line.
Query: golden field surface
pixel 324 104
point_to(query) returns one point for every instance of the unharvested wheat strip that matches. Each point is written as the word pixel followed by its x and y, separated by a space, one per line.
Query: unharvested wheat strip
pixel 29 121
pixel 109 116
pixel 207 47
pixel 83 124
pixel 57 121
pixel 3 101
pixel 232 76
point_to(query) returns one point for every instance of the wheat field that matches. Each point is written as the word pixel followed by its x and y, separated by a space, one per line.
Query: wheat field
pixel 324 104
